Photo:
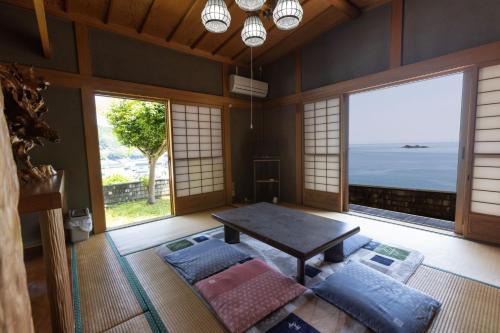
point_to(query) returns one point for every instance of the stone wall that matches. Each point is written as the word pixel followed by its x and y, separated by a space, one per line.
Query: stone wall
pixel 125 192
pixel 436 204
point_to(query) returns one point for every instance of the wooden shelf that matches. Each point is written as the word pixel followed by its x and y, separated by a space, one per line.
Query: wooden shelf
pixel 45 195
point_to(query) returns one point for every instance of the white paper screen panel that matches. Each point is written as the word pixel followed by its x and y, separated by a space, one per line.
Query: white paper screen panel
pixel 322 146
pixel 485 198
pixel 197 143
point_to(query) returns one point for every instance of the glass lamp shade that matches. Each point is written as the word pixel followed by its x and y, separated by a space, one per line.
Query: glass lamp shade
pixel 215 16
pixel 253 33
pixel 250 5
pixel 287 14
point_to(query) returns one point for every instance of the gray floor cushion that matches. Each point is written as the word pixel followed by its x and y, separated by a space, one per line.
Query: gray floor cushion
pixel 204 259
pixel 377 300
pixel 350 245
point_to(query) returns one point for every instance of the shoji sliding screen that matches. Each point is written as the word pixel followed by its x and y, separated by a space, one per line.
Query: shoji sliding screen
pixel 323 154
pixel 484 217
pixel 198 157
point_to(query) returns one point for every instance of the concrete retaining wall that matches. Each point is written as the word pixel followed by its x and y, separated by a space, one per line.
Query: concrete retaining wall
pixel 125 192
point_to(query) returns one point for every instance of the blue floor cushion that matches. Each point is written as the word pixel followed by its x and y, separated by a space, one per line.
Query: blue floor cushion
pixel 204 259
pixel 377 300
pixel 350 245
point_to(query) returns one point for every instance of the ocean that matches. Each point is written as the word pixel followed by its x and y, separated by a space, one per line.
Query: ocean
pixel 433 168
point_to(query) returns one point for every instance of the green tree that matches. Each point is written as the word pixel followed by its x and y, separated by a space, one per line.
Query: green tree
pixel 141 125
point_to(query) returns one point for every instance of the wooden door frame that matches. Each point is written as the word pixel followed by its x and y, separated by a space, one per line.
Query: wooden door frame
pixel 344 152
pixel 94 153
pixel 466 148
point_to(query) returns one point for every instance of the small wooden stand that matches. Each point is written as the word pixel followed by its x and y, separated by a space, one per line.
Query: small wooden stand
pixel 48 199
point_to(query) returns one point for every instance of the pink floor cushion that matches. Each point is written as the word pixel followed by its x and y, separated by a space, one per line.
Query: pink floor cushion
pixel 244 294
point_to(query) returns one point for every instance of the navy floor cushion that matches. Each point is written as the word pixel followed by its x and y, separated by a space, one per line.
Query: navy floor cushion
pixel 350 245
pixel 204 259
pixel 377 300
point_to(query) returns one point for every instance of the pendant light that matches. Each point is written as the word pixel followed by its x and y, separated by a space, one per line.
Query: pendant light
pixel 250 5
pixel 253 33
pixel 215 16
pixel 287 14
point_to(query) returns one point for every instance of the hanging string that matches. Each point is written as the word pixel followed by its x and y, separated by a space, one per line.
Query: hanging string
pixel 251 87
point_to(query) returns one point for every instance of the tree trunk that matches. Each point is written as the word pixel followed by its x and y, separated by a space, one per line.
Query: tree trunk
pixel 151 181
pixel 15 308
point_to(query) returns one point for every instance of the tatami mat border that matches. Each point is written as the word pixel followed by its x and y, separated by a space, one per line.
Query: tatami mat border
pixel 75 291
pixel 153 318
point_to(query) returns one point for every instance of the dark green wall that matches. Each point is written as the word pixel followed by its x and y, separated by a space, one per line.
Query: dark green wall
pixel 436 27
pixel 281 76
pixel 279 127
pixel 20 40
pixel 242 148
pixel 122 58
pixel 65 116
pixel 350 50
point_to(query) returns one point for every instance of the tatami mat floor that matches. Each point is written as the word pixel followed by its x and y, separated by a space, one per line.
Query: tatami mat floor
pixel 109 303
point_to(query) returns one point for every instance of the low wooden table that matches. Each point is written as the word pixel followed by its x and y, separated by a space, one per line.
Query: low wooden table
pixel 48 199
pixel 299 234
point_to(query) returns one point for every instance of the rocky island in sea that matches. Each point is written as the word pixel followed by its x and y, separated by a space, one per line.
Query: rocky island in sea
pixel 414 146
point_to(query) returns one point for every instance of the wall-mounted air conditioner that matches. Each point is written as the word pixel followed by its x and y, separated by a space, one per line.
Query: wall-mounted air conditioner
pixel 241 85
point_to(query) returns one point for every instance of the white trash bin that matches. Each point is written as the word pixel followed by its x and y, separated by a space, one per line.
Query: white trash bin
pixel 79 224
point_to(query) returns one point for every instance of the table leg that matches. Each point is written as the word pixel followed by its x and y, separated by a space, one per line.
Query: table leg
pixel 332 254
pixel 231 235
pixel 57 272
pixel 301 271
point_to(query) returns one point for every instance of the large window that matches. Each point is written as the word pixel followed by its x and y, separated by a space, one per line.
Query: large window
pixel 406 136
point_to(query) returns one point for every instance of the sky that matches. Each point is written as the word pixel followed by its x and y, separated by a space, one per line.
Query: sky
pixel 102 105
pixel 413 113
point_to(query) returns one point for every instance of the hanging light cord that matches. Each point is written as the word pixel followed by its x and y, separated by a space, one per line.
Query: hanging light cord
pixel 251 87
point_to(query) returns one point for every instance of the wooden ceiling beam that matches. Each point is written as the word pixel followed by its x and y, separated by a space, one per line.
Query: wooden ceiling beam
pixel 146 17
pixel 42 27
pixel 182 20
pixel 218 48
pixel 108 12
pixel 346 7
pixel 199 39
pixel 274 36
pixel 98 23
pixel 68 5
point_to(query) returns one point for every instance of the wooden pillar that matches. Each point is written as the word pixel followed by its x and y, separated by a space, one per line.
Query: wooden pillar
pixel 228 176
pixel 396 48
pixel 299 126
pixel 56 266
pixel 47 198
pixel 15 308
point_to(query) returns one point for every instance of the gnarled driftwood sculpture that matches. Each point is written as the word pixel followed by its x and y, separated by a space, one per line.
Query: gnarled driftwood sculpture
pixel 25 109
